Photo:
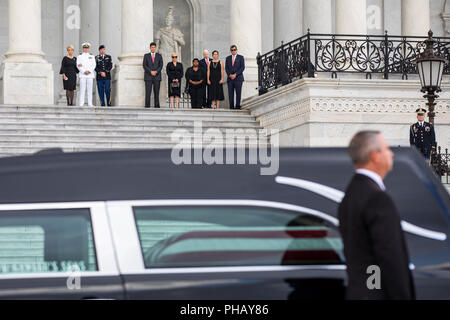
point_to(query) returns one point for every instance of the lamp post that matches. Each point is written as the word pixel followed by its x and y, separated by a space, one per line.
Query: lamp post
pixel 431 67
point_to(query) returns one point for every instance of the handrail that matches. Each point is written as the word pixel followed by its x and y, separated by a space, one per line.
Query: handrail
pixel 344 53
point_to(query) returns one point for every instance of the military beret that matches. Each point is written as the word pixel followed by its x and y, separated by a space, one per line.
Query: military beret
pixel 101 47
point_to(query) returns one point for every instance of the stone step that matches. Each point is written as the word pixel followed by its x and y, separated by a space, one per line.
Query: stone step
pixel 135 116
pixel 118 110
pixel 95 121
pixel 104 139
pixel 26 130
pixel 150 127
pixel 163 132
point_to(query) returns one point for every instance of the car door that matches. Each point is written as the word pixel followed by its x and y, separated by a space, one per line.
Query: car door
pixel 57 251
pixel 226 249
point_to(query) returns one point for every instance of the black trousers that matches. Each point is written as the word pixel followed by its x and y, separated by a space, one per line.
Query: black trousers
pixel 149 85
pixel 232 87
pixel 206 103
pixel 197 96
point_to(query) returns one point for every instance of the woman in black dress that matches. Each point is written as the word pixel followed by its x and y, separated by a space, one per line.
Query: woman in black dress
pixel 69 72
pixel 195 77
pixel 175 72
pixel 215 81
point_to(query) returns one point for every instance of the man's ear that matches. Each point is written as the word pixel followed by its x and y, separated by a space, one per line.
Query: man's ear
pixel 373 156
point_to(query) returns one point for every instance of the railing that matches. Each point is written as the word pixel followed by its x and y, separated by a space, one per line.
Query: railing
pixel 364 54
pixel 440 162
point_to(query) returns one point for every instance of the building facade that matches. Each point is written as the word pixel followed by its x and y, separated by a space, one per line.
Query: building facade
pixel 48 26
pixel 313 112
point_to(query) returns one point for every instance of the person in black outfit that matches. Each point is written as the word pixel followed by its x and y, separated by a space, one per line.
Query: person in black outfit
pixel 69 72
pixel 215 80
pixel 371 227
pixel 422 135
pixel 195 76
pixel 153 64
pixel 175 73
pixel 204 64
pixel 103 69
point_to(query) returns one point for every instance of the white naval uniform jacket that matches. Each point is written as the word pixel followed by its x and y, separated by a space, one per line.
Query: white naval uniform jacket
pixel 88 63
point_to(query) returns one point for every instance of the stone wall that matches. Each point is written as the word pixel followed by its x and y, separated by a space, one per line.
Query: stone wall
pixel 328 112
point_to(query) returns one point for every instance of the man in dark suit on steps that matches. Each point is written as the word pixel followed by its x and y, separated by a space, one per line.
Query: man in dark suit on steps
pixel 235 66
pixel 371 227
pixel 153 64
pixel 204 64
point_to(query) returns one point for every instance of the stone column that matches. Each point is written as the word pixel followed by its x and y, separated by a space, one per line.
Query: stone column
pixel 90 23
pixel 110 27
pixel 317 16
pixel 137 34
pixel 245 33
pixel 71 16
pixel 26 77
pixel 110 32
pixel 351 17
pixel 287 20
pixel 415 17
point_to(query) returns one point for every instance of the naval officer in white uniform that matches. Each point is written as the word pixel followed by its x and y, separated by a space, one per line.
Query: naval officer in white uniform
pixel 86 64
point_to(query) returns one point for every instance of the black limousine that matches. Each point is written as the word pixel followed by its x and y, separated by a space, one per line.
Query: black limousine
pixel 134 225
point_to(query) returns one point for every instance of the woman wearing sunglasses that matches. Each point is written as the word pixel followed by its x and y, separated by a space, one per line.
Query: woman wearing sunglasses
pixel 174 71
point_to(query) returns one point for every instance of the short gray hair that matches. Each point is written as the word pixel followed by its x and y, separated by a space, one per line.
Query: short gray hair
pixel 362 145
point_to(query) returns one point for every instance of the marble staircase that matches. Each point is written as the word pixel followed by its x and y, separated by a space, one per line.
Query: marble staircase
pixel 28 129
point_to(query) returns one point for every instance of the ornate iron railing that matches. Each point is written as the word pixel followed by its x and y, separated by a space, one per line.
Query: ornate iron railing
pixel 364 54
pixel 440 162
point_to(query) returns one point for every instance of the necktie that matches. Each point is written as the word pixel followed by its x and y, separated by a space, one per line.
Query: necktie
pixel 234 57
pixel 207 62
pixel 153 57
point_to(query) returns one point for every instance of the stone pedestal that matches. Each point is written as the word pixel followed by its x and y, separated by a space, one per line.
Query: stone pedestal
pixel 328 112
pixel 26 77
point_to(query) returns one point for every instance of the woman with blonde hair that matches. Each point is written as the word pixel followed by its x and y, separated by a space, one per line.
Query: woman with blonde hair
pixel 69 72
pixel 175 73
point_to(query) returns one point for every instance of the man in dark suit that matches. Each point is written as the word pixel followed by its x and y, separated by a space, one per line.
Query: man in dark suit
pixel 153 64
pixel 422 135
pixel 371 227
pixel 235 66
pixel 204 64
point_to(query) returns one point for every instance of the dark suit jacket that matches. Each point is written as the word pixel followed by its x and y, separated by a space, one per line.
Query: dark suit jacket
pixel 204 66
pixel 238 68
pixel 150 66
pixel 372 235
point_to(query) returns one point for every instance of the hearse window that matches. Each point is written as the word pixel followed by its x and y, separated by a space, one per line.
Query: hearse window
pixel 45 241
pixel 234 236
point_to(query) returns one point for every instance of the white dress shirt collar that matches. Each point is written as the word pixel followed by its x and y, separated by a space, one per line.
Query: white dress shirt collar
pixel 421 123
pixel 374 176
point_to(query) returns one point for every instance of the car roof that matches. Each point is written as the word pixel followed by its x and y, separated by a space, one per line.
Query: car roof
pixel 151 174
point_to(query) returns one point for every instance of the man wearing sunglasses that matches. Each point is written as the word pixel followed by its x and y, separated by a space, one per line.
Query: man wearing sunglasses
pixel 235 66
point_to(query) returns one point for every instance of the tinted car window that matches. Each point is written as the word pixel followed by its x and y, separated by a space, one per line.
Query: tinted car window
pixel 46 241
pixel 234 236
